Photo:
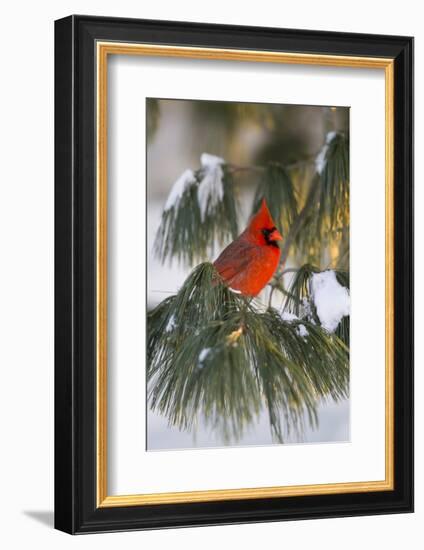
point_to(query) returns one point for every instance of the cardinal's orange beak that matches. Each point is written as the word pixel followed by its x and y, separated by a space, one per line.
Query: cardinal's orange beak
pixel 275 236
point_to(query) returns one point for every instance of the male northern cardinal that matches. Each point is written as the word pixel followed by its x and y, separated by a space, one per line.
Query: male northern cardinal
pixel 249 262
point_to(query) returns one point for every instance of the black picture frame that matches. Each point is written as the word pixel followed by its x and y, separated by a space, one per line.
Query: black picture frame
pixel 76 508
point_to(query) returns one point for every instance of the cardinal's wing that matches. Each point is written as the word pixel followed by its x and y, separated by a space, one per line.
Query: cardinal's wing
pixel 234 260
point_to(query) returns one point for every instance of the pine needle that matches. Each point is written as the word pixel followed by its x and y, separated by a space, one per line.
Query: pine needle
pixel 213 355
pixel 187 235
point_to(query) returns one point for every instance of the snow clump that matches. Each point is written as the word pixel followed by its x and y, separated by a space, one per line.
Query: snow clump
pixel 186 180
pixel 331 299
pixel 171 324
pixel 211 189
pixel 202 356
pixel 289 317
pixel 321 160
pixel 302 331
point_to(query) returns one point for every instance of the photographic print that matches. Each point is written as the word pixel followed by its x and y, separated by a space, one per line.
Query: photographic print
pixel 247 274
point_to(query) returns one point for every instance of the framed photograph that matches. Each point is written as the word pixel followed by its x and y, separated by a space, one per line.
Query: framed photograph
pixel 234 274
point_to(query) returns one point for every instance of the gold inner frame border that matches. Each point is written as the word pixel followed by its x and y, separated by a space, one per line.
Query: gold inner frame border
pixel 103 50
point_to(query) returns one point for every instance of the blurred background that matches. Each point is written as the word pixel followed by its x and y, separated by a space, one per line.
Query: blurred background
pixel 247 136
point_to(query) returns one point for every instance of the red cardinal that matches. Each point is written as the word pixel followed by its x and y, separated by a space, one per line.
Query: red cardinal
pixel 249 262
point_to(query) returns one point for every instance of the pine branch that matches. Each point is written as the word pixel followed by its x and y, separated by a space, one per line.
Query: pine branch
pixel 194 223
pixel 327 199
pixel 299 221
pixel 215 355
pixel 327 223
pixel 300 300
pixel 277 283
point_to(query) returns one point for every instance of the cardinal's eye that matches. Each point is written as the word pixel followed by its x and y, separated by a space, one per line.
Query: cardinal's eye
pixel 267 232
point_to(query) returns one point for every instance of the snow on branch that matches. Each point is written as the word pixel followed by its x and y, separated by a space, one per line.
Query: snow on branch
pixel 216 355
pixel 211 189
pixel 331 299
pixel 319 297
pixel 186 180
pixel 200 212
pixel 321 158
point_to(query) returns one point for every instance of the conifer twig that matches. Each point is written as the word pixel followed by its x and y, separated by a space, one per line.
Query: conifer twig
pixel 297 225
